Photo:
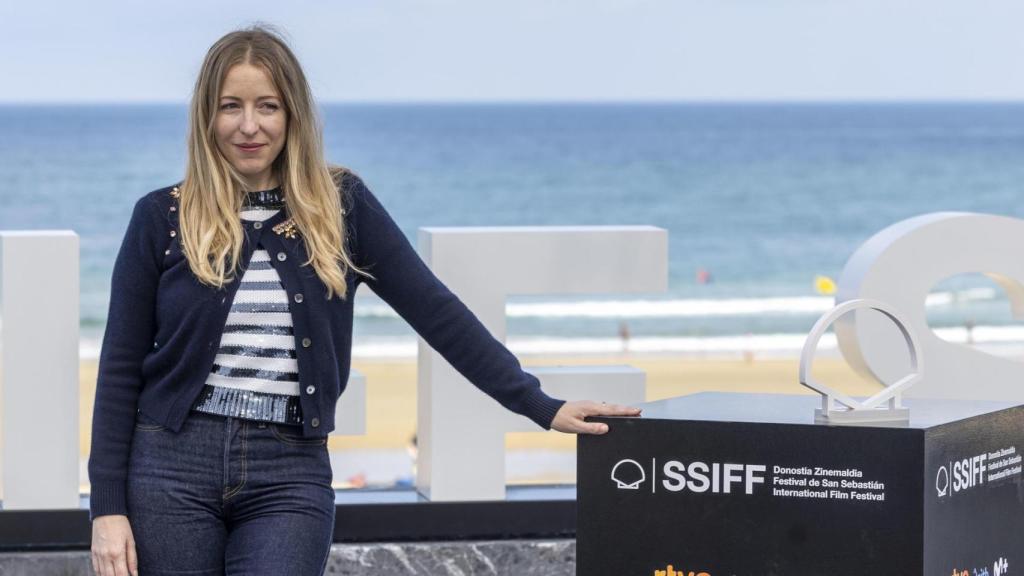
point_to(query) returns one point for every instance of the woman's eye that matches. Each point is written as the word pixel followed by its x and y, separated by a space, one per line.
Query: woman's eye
pixel 228 106
pixel 270 106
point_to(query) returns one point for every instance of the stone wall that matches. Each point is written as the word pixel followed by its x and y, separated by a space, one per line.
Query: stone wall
pixel 489 557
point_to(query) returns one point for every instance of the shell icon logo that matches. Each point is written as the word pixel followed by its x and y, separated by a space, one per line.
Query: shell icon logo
pixel 942 481
pixel 628 474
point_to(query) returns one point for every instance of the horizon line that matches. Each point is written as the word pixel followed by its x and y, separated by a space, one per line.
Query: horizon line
pixel 526 102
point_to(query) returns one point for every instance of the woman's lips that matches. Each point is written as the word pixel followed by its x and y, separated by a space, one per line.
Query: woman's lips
pixel 249 147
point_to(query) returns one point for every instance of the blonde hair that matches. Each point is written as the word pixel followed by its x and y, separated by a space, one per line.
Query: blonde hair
pixel 212 191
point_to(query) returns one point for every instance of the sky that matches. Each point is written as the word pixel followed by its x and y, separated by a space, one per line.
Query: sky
pixel 530 50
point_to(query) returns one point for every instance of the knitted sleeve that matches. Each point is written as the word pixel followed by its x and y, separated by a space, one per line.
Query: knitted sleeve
pixel 405 282
pixel 128 336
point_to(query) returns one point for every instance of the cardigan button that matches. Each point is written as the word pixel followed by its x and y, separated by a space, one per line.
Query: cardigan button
pixel 257 225
pixel 173 233
pixel 306 342
pixel 166 252
pixel 314 422
pixel 310 389
pixel 174 208
pixel 281 256
pixel 298 297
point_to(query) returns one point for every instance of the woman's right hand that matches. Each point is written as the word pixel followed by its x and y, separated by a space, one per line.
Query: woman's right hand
pixel 113 547
pixel 571 417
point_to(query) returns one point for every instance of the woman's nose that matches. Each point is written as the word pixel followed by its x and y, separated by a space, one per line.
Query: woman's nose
pixel 249 124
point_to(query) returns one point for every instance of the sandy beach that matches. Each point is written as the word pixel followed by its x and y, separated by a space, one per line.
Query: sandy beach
pixel 384 456
pixel 391 392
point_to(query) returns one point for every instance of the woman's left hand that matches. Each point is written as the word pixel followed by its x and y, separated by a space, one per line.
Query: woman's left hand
pixel 570 416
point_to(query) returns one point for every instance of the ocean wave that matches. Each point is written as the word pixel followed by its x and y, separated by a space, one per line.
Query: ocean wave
pixel 373 308
pixel 685 308
pixel 781 344
pixel 786 344
pixel 768 343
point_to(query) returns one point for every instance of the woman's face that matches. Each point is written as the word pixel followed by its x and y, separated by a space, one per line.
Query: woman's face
pixel 250 124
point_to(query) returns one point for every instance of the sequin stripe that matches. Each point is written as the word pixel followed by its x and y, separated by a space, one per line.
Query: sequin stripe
pixel 264 329
pixel 248 404
pixel 257 307
pixel 256 352
pixel 257 214
pixel 273 198
pixel 256 373
pixel 259 285
pixel 257 264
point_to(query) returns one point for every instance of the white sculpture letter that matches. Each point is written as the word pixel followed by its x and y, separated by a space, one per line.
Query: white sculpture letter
pixel 899 266
pixel 460 430
pixel 39 369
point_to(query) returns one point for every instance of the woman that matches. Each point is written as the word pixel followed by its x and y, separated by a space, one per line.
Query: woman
pixel 215 396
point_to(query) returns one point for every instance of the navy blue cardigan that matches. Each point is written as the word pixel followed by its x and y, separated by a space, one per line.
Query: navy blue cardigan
pixel 164 327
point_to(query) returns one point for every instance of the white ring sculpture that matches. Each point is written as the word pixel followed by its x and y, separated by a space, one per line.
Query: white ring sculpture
pixel 885 406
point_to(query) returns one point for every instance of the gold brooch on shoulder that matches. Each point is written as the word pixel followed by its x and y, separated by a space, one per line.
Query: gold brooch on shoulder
pixel 287 228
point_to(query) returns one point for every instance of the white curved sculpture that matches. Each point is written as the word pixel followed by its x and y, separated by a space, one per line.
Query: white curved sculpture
pixel 899 266
pixel 871 409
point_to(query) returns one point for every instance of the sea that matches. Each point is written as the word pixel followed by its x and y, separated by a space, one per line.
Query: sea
pixel 761 203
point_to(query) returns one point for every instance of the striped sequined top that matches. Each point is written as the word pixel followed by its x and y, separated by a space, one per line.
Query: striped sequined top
pixel 255 375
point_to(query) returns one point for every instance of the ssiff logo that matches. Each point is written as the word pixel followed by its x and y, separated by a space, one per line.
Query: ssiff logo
pixel 673 572
pixel 960 475
pixel 697 477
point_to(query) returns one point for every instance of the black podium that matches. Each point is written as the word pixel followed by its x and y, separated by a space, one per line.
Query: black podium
pixel 719 484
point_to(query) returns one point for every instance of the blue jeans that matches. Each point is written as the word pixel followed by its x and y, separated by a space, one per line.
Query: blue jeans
pixel 229 496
